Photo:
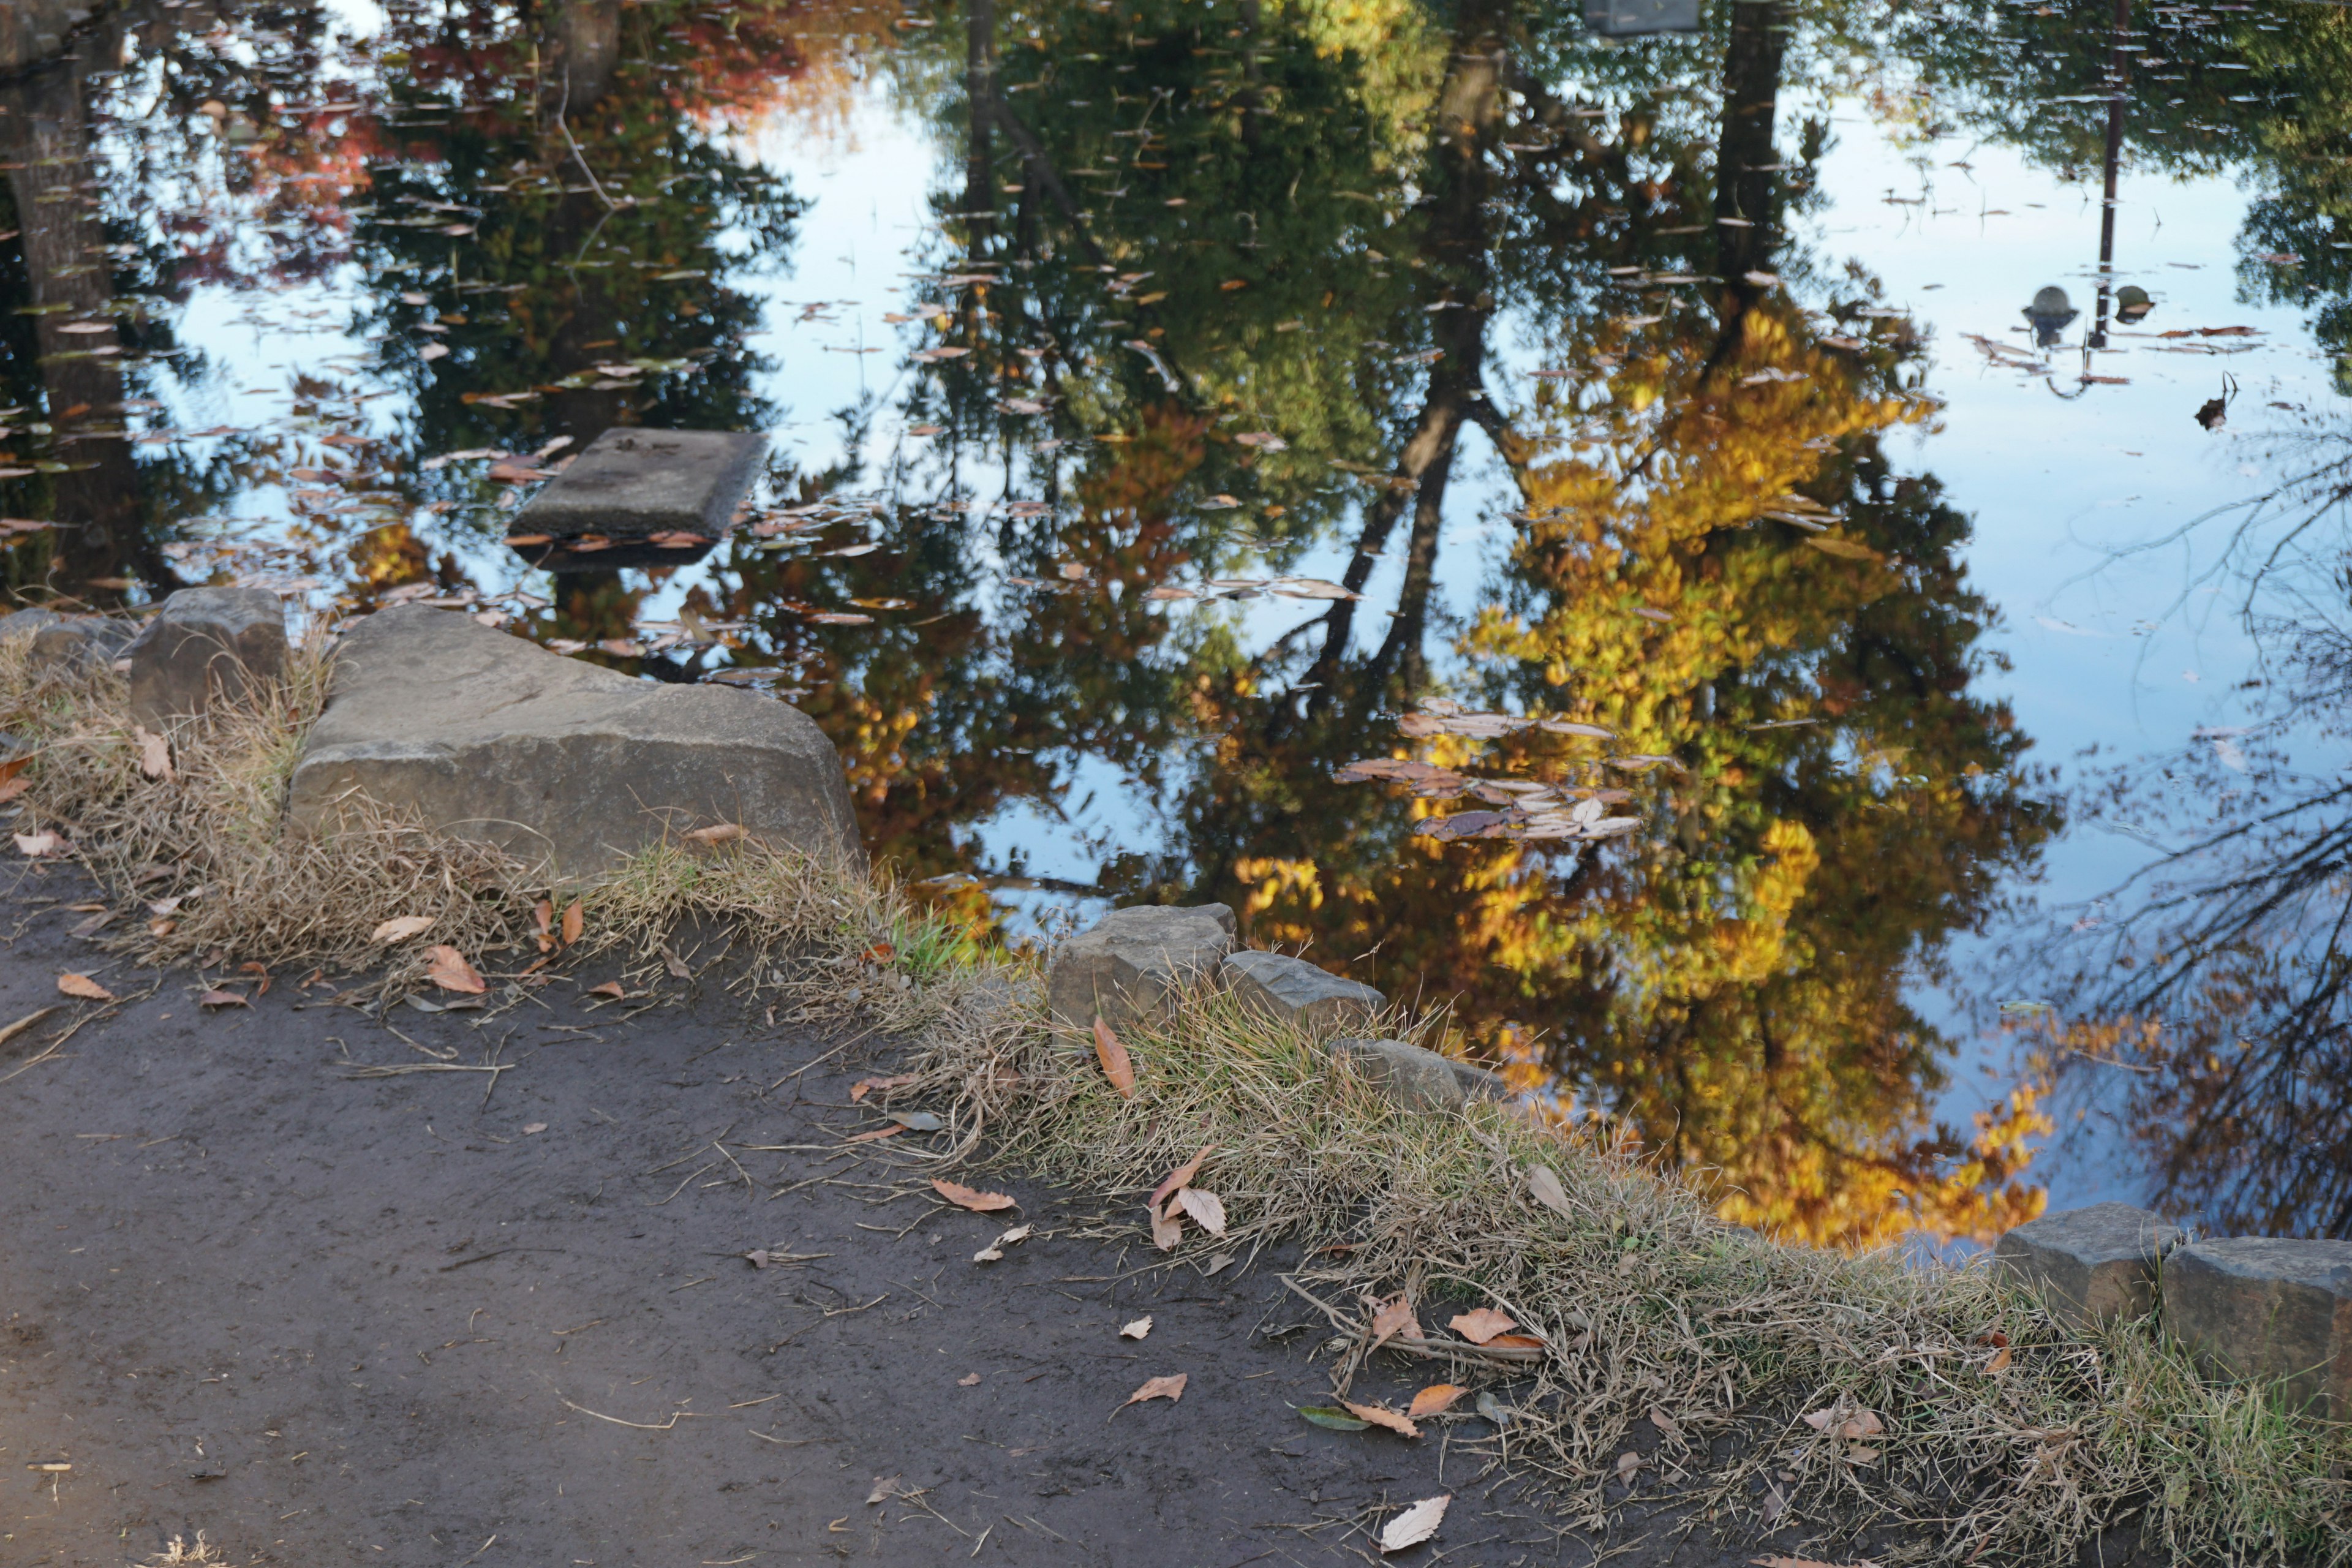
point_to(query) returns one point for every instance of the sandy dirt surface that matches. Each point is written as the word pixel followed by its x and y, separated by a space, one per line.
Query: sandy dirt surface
pixel 329 1320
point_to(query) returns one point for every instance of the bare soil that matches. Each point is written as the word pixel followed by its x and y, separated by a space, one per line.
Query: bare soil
pixel 329 1320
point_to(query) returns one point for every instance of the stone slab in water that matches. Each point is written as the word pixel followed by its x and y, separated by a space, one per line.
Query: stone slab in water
pixel 631 484
pixel 1136 963
pixel 205 647
pixel 569 766
pixel 2266 1307
pixel 2090 1263
pixel 1296 992
pixel 1416 1079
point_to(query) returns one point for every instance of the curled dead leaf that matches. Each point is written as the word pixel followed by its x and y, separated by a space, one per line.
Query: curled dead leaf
pixel 1181 1176
pixel 1393 1316
pixel 866 1086
pixel 574 919
pixel 154 753
pixel 717 833
pixel 611 988
pixel 1170 1389
pixel 38 846
pixel 1999 1362
pixel 401 928
pixel 83 987
pixel 223 999
pixel 1167 1230
pixel 1483 1324
pixel 1116 1065
pixel 967 1198
pixel 448 968
pixel 1380 1415
pixel 1137 1329
pixel 1436 1397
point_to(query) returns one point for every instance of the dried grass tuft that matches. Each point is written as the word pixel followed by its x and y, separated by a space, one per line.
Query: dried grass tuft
pixel 180 1554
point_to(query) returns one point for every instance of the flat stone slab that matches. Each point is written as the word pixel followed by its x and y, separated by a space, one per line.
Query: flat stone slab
pixel 632 486
pixel 205 648
pixel 1136 963
pixel 1296 992
pixel 1416 1079
pixel 2090 1263
pixel 2266 1307
pixel 564 764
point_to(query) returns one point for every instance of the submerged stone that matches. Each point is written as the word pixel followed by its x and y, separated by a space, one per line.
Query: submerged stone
pixel 2090 1263
pixel 2266 1307
pixel 1296 992
pixel 205 648
pixel 568 766
pixel 1416 1079
pixel 635 496
pixel 1136 963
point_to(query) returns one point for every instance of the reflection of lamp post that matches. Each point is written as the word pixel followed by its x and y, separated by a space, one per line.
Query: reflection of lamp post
pixel 2050 313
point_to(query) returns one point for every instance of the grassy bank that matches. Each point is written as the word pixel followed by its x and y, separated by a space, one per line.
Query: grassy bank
pixel 1775 1386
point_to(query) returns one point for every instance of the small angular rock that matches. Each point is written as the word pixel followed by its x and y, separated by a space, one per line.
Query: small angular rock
pixel 2091 1263
pixel 24 623
pixel 2266 1307
pixel 1416 1079
pixel 1137 962
pixel 1296 992
pixel 206 647
pixel 78 642
pixel 567 765
pixel 633 483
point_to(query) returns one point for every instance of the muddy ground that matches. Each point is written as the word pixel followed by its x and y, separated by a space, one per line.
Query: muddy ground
pixel 329 1320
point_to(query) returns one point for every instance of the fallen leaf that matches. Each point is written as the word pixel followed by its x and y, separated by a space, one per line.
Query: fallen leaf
pixel 83 987
pixel 1391 1318
pixel 674 964
pixel 1170 1389
pixel 1167 1230
pixel 1543 1186
pixel 34 846
pixel 531 1127
pixel 1137 1329
pixel 1381 1417
pixel 154 753
pixel 401 928
pixel 1181 1176
pixel 448 968
pixel 1437 1397
pixel 969 1380
pixel 1513 1343
pixel 885 1489
pixel 1999 1362
pixel 720 832
pixel 866 1086
pixel 965 1197
pixel 1627 1463
pixel 1493 1409
pixel 1665 1422
pixel 1208 1210
pixel 574 919
pixel 223 999
pixel 916 1121
pixel 1113 1056
pixel 1338 1420
pixel 11 788
pixel 610 988
pixel 1415 1524
pixel 1482 1325
pixel 890 1132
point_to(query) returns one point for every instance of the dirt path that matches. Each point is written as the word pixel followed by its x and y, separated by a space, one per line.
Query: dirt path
pixel 330 1320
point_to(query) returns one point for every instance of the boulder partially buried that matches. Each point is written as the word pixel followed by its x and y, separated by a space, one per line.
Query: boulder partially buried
pixel 205 647
pixel 1416 1079
pixel 2266 1307
pixel 1296 992
pixel 1136 963
pixel 572 767
pixel 2090 1263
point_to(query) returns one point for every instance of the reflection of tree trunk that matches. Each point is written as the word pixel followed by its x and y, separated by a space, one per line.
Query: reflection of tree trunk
pixel 979 94
pixel 2118 74
pixel 99 542
pixel 1743 179
pixel 582 46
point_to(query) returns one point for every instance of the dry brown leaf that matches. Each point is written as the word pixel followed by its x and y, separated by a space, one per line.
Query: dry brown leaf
pixel 720 833
pixel 885 1489
pixel 448 968
pixel 1483 1324
pixel 1665 1422
pixel 1391 1318
pixel 1999 1362
pixel 890 1132
pixel 1513 1343
pixel 401 928
pixel 1137 1329
pixel 223 999
pixel 1167 1230
pixel 1543 1185
pixel 574 920
pixel 866 1086
pixel 1437 1397
pixel 154 753
pixel 969 1380
pixel 964 1197
pixel 1170 1389
pixel 1208 1210
pixel 1627 1463
pixel 34 846
pixel 1414 1525
pixel 1380 1415
pixel 83 987
pixel 1181 1176
pixel 611 988
pixel 11 788
pixel 1113 1056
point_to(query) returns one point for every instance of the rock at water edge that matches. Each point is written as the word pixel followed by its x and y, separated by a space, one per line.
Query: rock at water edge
pixel 1294 991
pixel 2266 1307
pixel 1416 1079
pixel 568 766
pixel 1136 963
pixel 2090 1263
pixel 633 483
pixel 206 647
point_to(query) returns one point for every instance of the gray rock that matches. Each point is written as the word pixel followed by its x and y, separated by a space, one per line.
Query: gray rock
pixel 1137 962
pixel 630 483
pixel 24 623
pixel 1296 992
pixel 569 766
pixel 2090 1263
pixel 1416 1079
pixel 78 642
pixel 205 647
pixel 2261 1307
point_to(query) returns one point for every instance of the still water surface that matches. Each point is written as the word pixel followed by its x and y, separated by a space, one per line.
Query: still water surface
pixel 1859 720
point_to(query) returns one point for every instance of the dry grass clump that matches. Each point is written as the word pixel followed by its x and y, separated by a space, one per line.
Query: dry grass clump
pixel 1658 1318
pixel 180 1554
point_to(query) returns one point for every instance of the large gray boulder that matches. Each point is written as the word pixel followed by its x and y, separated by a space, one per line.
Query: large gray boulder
pixel 569 766
pixel 2090 1263
pixel 1416 1079
pixel 2264 1307
pixel 633 483
pixel 206 647
pixel 1136 963
pixel 1292 991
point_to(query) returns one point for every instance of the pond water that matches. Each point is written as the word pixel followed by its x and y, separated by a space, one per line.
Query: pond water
pixel 1817 533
